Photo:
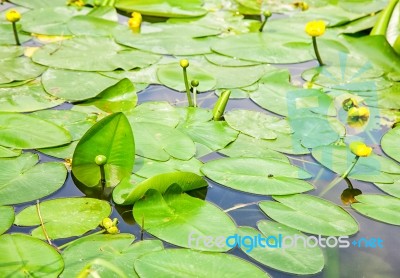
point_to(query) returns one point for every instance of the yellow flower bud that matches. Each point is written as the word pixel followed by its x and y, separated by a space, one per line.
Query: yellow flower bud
pixel 107 223
pixel 184 63
pixel 100 160
pixel 315 28
pixel 135 21
pixel 113 230
pixel 13 16
pixel 360 149
pixel 363 112
pixel 358 112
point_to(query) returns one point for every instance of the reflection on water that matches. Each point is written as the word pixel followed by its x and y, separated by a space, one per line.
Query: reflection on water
pixel 349 262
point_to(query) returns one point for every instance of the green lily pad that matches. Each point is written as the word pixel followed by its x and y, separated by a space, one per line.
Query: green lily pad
pixel 258 176
pixel 120 97
pixel 7 218
pixel 23 180
pixel 278 95
pixel 380 207
pixel 246 146
pixel 189 263
pixel 26 98
pixel 18 69
pixel 257 124
pixel 158 112
pixel 18 260
pixel 64 217
pixel 171 75
pixel 310 214
pixel 16 132
pixel 226 61
pixel 113 138
pixel 76 123
pixel 389 143
pixel 391 188
pixel 7 152
pixel 161 142
pixel 50 20
pixel 75 85
pixel 169 8
pixel 373 168
pixel 214 135
pixel 175 217
pixel 147 168
pixel 10 51
pixel 127 194
pixel 115 249
pixel 92 54
pixel 297 259
pixel 86 25
pixel 63 152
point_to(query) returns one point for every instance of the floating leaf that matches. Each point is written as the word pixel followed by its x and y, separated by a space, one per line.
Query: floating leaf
pixel 86 25
pixel 391 188
pixel 297 259
pixel 161 142
pixel 36 4
pixel 189 263
pixel 7 35
pixel 26 98
pixel 64 217
pixel 246 146
pixel 226 61
pixel 169 8
pixel 176 217
pixel 23 180
pixel 257 124
pixel 390 145
pixel 75 85
pixel 18 260
pixel 127 193
pixel 380 207
pixel 258 176
pixel 310 214
pixel 6 152
pixel 113 138
pixel 63 152
pixel 120 97
pixel 115 249
pixel 158 112
pixel 373 168
pixel 10 51
pixel 7 218
pixel 92 54
pixel 18 68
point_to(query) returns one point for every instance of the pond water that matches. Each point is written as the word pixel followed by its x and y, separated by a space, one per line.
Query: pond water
pixel 340 262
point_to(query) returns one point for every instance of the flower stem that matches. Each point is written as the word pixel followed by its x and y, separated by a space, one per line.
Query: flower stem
pixel 185 79
pixel 351 167
pixel 42 223
pixel 220 105
pixel 14 26
pixel 194 96
pixel 72 241
pixel 102 178
pixel 314 41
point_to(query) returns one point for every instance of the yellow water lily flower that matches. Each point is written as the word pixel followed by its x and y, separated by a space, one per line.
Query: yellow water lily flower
pixel 13 16
pixel 315 28
pixel 135 21
pixel 360 149
pixel 359 112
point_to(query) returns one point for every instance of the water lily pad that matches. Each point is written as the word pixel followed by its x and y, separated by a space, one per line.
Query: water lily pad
pixel 7 218
pixel 278 95
pixel 63 152
pixel 113 138
pixel 10 51
pixel 171 75
pixel 115 249
pixel 226 61
pixel 389 143
pixel 86 25
pixel 18 260
pixel 75 85
pixel 23 180
pixel 127 194
pixel 7 152
pixel 246 146
pixel 373 168
pixel 175 216
pixel 64 217
pixel 7 35
pixel 17 132
pixel 214 135
pixel 297 259
pixel 169 8
pixel 92 54
pixel 35 4
pixel 158 112
pixel 380 207
pixel 26 98
pixel 391 188
pixel 258 176
pixel 257 124
pixel 18 68
pixel 184 263
pixel 147 168
pixel 310 214
pixel 161 142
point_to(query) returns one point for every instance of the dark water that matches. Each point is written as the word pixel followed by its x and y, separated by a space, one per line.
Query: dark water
pixel 349 262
